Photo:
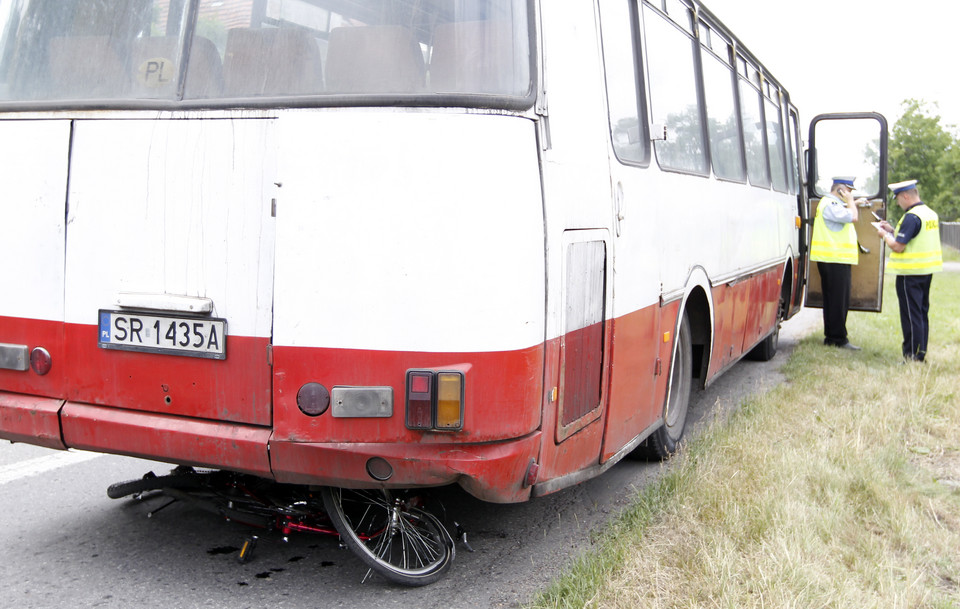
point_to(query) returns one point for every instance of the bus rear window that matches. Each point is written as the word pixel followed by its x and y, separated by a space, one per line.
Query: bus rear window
pixel 173 50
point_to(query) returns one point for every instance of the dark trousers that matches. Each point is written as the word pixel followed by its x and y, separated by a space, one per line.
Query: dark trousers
pixel 913 293
pixel 835 281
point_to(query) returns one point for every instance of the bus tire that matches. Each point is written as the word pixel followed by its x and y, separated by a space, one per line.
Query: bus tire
pixel 666 439
pixel 767 348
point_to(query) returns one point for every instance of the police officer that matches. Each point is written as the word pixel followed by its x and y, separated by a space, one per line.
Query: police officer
pixel 834 248
pixel 915 256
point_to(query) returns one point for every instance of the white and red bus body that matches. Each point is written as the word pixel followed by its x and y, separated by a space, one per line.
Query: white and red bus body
pixel 371 289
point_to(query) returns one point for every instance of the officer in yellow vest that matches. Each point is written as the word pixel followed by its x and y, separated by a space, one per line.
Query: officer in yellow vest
pixel 915 256
pixel 834 248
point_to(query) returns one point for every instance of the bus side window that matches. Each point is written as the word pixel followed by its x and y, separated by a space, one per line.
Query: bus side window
pixel 270 62
pixel 628 123
pixel 674 98
pixel 374 59
pixel 776 149
pixel 473 56
pixel 726 149
pixel 86 67
pixel 751 110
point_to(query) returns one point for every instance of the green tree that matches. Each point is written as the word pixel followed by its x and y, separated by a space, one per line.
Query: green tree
pixel 922 149
pixel 947 201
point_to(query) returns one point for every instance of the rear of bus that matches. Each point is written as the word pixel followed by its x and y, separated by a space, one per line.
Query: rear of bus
pixel 301 239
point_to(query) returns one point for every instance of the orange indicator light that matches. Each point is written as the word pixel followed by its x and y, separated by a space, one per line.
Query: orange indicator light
pixel 449 400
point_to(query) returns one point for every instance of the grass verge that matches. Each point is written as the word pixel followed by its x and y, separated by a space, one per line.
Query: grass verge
pixel 840 488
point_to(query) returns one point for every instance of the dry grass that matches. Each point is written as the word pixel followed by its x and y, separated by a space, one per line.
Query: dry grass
pixel 841 488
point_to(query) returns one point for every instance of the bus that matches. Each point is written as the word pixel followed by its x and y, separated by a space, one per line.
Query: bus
pixel 367 246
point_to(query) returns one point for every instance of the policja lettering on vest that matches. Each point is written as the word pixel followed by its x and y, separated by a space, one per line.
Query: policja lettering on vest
pixel 922 255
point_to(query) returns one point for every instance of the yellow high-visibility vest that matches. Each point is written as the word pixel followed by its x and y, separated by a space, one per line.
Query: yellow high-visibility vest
pixel 922 255
pixel 833 246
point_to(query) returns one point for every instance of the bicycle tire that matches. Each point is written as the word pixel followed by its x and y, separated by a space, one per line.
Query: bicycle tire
pixel 404 544
pixel 152 482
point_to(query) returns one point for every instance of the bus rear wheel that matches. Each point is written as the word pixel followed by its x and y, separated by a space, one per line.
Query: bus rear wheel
pixel 767 348
pixel 666 439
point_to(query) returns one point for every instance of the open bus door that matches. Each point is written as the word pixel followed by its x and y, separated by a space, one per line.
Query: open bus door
pixel 851 144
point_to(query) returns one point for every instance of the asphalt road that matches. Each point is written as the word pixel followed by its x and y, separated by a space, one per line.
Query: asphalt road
pixel 64 543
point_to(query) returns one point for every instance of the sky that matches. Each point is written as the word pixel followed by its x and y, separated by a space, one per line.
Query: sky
pixel 855 55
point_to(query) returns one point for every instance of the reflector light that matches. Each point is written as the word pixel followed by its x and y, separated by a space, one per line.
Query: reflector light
pixel 313 399
pixel 40 361
pixel 449 400
pixel 419 399
pixel 533 471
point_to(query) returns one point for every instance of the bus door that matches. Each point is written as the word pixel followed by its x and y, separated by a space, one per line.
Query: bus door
pixel 639 358
pixel 637 368
pixel 579 253
pixel 169 267
pixel 851 144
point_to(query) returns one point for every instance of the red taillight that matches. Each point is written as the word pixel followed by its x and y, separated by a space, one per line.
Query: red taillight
pixel 420 382
pixel 419 399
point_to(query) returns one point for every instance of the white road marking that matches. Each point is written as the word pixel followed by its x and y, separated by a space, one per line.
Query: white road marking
pixel 39 465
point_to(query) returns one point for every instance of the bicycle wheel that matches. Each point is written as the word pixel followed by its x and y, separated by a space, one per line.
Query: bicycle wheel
pixel 403 543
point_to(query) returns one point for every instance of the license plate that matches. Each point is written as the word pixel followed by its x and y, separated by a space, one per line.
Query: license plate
pixel 167 334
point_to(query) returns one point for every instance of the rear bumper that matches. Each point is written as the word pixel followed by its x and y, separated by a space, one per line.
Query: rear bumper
pixel 181 440
pixel 492 471
pixel 31 420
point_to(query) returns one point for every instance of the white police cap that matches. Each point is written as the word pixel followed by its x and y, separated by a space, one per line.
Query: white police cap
pixel 903 186
pixel 845 181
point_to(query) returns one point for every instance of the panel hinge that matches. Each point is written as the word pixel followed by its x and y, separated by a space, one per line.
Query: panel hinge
pixel 543 121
